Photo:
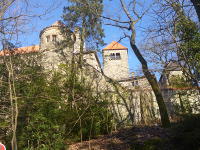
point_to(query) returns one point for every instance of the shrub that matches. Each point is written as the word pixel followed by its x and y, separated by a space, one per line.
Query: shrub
pixel 187 133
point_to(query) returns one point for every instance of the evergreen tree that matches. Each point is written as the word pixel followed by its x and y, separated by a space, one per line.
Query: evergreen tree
pixel 51 111
pixel 187 32
pixel 86 16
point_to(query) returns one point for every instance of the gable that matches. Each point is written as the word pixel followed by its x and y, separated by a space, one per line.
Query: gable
pixel 115 46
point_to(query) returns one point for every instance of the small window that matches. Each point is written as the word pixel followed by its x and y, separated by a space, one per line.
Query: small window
pixel 48 38
pixel 54 38
pixel 115 56
pixel 112 56
pixel 118 56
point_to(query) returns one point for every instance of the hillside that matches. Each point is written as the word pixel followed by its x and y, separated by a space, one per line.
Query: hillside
pixel 144 137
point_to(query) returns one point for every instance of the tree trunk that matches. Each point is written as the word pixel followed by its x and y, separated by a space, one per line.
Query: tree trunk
pixel 196 4
pixel 14 103
pixel 153 82
pixel 83 37
pixel 151 78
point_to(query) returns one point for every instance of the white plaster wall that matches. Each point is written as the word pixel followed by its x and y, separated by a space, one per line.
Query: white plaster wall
pixel 93 72
pixel 116 69
pixel 144 83
pixel 91 60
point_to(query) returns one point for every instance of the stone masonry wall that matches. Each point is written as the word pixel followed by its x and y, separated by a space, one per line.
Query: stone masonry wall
pixel 116 69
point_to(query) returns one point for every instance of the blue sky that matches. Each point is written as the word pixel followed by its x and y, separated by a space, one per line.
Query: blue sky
pixel 56 8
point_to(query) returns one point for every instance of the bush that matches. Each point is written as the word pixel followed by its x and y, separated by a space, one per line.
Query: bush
pixel 57 110
pixel 187 133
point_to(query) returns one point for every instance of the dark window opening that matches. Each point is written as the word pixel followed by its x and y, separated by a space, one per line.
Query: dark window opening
pixel 112 56
pixel 54 38
pixel 48 38
pixel 115 56
pixel 118 56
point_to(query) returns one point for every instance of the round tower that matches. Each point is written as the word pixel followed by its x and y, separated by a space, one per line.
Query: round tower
pixel 53 35
pixel 56 45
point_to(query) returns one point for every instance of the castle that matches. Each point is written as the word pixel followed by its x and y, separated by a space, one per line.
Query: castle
pixel 55 51
pixel 115 55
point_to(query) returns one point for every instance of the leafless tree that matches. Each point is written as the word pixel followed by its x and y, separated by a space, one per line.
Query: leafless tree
pixel 130 26
pixel 161 43
pixel 15 15
pixel 196 4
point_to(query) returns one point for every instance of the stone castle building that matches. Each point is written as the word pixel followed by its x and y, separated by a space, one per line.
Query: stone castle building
pixel 55 49
pixel 58 44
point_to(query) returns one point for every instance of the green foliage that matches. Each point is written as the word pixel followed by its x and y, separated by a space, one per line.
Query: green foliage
pixel 62 107
pixel 183 105
pixel 179 82
pixel 85 14
pixel 4 104
pixel 87 113
pixel 39 122
pixel 188 33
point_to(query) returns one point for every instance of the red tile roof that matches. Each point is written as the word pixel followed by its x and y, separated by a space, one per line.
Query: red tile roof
pixel 21 50
pixel 115 46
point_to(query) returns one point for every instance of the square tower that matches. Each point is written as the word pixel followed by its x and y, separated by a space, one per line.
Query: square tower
pixel 115 58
